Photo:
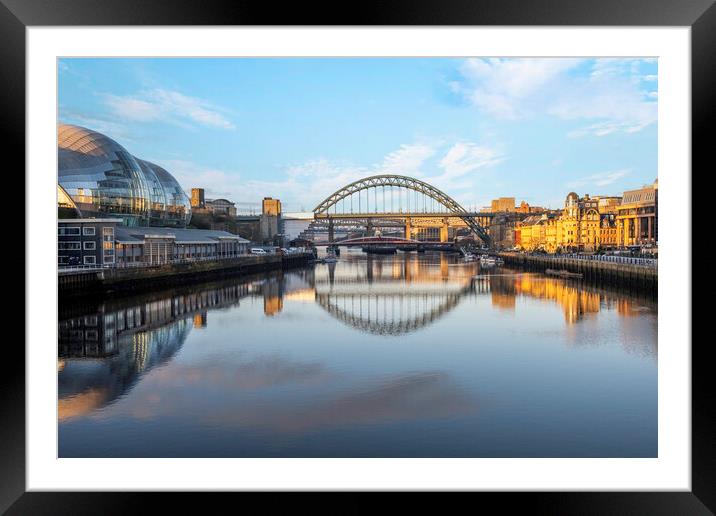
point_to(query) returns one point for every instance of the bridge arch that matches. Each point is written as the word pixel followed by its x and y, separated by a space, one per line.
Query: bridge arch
pixel 410 183
pixel 361 311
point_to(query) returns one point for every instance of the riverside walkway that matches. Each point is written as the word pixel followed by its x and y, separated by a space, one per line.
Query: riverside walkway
pixel 78 279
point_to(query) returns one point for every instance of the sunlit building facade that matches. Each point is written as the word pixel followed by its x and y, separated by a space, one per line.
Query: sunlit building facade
pixel 506 204
pixel 577 228
pixel 97 177
pixel 637 217
pixel 608 232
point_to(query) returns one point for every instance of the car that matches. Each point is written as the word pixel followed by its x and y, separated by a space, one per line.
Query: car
pixel 258 250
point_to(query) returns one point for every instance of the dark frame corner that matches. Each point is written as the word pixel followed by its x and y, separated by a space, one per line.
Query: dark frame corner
pixel 700 15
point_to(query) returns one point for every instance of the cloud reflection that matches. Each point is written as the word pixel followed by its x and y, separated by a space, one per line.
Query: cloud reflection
pixel 413 396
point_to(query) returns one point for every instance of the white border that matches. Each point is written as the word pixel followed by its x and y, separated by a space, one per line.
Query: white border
pixel 670 471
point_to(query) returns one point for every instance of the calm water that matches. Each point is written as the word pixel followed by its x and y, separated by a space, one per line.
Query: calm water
pixel 394 356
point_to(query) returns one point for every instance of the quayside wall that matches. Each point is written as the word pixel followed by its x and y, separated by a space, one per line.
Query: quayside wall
pixel 142 278
pixel 623 275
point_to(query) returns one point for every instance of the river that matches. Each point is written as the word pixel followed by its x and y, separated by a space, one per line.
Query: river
pixel 410 355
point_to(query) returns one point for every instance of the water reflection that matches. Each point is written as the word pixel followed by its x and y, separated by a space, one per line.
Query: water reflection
pixel 103 354
pixel 262 355
pixel 392 297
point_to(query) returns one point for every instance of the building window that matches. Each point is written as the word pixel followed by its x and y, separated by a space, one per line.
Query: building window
pixel 90 260
pixel 68 246
pixel 88 231
pixel 67 231
pixel 89 246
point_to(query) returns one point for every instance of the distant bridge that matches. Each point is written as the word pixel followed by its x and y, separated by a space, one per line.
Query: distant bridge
pixel 411 200
pixel 381 241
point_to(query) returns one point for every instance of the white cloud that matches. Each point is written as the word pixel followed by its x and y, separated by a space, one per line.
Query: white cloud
pixel 216 183
pixel 166 105
pixel 465 157
pixel 408 159
pixel 504 87
pixel 605 128
pixel 111 128
pixel 609 94
pixel 600 179
pixel 305 185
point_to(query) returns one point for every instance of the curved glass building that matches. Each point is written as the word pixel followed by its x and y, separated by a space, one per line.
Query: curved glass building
pixel 102 179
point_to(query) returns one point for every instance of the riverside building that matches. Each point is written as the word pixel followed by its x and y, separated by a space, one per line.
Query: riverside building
pixel 99 178
pixel 588 224
pixel 107 243
pixel 637 217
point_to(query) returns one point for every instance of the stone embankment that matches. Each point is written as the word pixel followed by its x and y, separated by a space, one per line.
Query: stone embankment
pixel 624 275
pixel 143 277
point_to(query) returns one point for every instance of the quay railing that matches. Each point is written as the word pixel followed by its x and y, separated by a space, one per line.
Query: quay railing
pixel 613 258
pixel 609 258
pixel 125 265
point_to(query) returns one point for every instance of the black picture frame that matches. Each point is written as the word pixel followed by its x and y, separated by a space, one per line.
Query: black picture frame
pixel 16 15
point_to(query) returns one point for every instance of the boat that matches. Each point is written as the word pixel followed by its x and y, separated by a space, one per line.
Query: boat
pixel 330 258
pixel 563 273
pixel 490 261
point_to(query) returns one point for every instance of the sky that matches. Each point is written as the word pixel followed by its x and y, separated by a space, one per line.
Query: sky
pixel 298 129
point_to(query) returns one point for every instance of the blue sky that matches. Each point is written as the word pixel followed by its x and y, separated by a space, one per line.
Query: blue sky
pixel 300 128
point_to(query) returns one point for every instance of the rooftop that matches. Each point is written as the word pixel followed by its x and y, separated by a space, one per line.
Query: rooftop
pixel 194 236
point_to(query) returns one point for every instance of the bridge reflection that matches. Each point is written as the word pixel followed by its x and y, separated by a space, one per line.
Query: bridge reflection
pixel 104 349
pixel 392 296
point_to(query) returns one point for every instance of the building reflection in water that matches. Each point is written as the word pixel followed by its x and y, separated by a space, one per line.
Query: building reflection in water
pixel 101 355
pixel 200 320
pixel 576 300
pixel 397 295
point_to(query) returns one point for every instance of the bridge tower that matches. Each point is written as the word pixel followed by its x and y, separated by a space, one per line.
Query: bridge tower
pixel 444 231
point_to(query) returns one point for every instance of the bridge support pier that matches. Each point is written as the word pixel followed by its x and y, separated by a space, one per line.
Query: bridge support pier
pixel 330 231
pixel 408 228
pixel 444 231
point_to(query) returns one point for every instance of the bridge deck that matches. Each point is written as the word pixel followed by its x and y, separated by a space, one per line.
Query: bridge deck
pixel 402 215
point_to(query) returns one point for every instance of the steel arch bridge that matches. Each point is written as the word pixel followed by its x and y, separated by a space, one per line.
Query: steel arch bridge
pixel 446 205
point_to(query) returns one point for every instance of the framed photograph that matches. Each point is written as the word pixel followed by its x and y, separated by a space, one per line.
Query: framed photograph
pixel 417 249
